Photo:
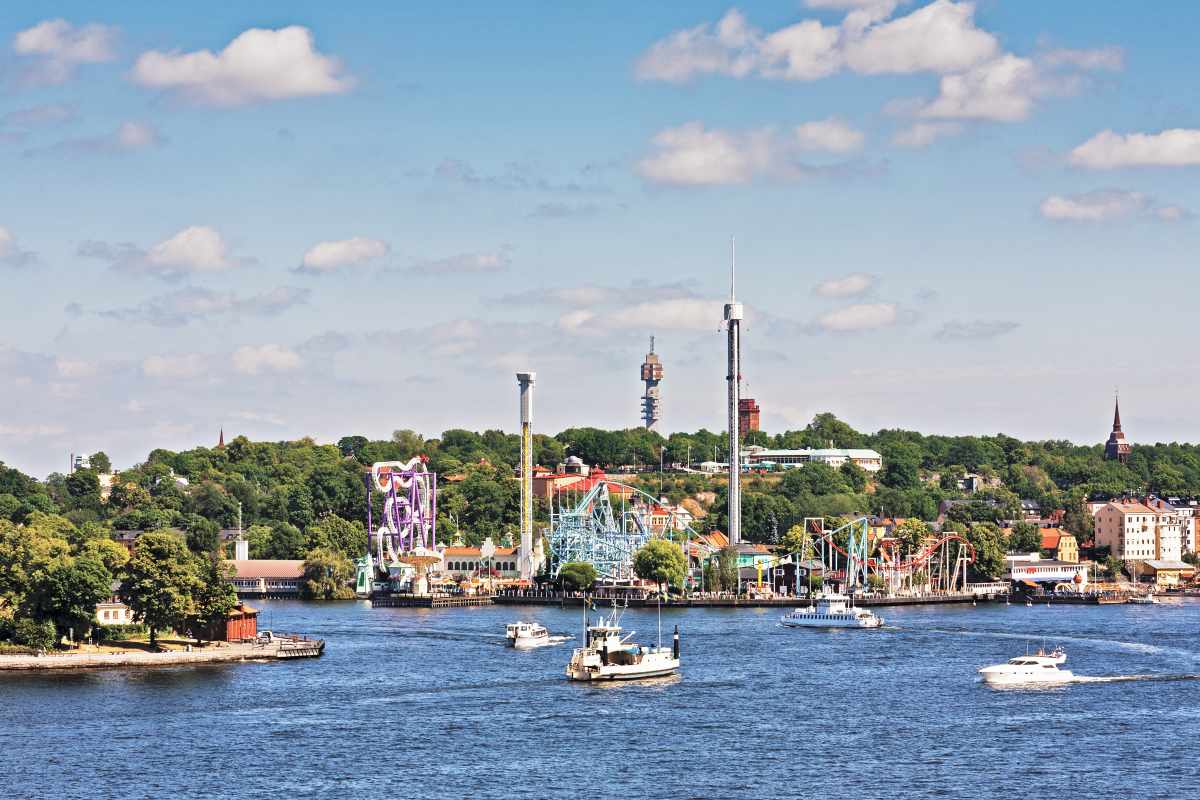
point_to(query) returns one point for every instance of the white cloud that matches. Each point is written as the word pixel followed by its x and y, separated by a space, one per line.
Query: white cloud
pixel 1098 206
pixel 923 134
pixel 1002 90
pixel 74 368
pixel 851 285
pixel 1107 205
pixel 259 65
pixel 59 47
pixel 858 317
pixel 251 360
pixel 828 135
pixel 1177 147
pixel 1110 58
pixel 466 263
pixel 196 249
pixel 194 303
pixel 47 114
pixel 11 255
pixel 264 417
pixel 25 433
pixel 939 37
pixel 691 155
pixel 976 330
pixel 333 255
pixel 187 365
pixel 130 136
pixel 679 314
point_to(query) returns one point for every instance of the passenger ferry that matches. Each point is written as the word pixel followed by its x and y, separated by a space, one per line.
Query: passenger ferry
pixel 609 656
pixel 832 610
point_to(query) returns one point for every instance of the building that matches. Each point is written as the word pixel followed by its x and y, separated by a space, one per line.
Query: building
pixel 1188 514
pixel 748 415
pixel 112 611
pixel 1133 531
pixel 241 623
pixel 1116 448
pixel 868 460
pixel 652 375
pixel 467 562
pixel 1061 544
pixel 268 577
pixel 1033 571
pixel 1166 573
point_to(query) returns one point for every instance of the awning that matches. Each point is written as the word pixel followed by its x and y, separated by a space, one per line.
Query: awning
pixel 1031 584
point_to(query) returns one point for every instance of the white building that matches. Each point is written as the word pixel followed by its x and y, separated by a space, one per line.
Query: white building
pixel 868 460
pixel 1134 531
pixel 1035 569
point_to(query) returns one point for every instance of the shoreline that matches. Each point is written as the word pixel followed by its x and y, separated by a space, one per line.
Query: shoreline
pixel 225 654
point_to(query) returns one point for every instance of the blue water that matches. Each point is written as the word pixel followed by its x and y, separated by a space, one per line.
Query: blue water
pixel 429 703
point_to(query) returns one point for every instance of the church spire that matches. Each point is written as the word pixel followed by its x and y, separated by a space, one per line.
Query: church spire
pixel 221 438
pixel 1117 448
pixel 1117 413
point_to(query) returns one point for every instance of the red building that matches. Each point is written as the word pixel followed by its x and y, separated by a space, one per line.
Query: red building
pixel 242 623
pixel 748 414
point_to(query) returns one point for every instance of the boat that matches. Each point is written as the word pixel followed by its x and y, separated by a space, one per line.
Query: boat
pixel 831 610
pixel 1039 668
pixel 1143 599
pixel 526 634
pixel 609 655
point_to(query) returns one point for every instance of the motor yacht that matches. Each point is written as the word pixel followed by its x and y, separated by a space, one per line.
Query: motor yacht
pixel 609 655
pixel 526 634
pixel 831 610
pixel 1038 668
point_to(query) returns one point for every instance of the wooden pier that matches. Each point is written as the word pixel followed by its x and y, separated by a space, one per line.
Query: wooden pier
pixel 561 600
pixel 430 600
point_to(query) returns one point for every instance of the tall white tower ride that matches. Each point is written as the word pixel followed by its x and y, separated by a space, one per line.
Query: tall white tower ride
pixel 733 324
pixel 525 554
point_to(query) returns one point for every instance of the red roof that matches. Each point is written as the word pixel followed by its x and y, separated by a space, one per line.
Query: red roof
pixel 473 552
pixel 269 568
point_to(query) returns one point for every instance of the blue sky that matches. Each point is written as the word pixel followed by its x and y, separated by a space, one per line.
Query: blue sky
pixel 290 219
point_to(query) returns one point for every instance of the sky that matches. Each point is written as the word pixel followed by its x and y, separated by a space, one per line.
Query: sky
pixel 306 219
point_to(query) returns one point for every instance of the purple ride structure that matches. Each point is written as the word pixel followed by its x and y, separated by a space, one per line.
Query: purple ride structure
pixel 402 547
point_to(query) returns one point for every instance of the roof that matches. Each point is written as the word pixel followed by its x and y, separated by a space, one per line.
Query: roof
pixel 1131 508
pixel 825 452
pixel 269 568
pixel 473 552
pixel 1050 537
pixel 1164 564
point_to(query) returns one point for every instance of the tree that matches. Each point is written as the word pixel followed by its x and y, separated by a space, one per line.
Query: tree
pixel 577 576
pixel 159 582
pixel 854 476
pixel 327 575
pixel 286 542
pixel 912 532
pixel 662 562
pixel 1025 538
pixel 727 569
pixel 331 532
pixel 203 535
pixel 1114 566
pixel 985 537
pixel 795 539
pixel 66 593
pixel 213 597
pixel 100 462
pixel 258 538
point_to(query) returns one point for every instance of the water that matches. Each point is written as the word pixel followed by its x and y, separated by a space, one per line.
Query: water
pixel 430 703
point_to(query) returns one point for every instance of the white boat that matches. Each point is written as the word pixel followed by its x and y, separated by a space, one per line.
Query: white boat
pixel 1144 599
pixel 526 634
pixel 832 610
pixel 1039 668
pixel 608 655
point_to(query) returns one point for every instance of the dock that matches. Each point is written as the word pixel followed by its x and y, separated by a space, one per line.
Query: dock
pixel 561 600
pixel 430 600
pixel 223 653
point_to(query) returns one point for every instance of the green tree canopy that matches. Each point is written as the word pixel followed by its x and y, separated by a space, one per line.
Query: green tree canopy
pixel 577 576
pixel 327 575
pixel 160 583
pixel 662 562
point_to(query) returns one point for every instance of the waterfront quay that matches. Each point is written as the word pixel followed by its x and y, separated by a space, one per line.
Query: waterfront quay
pixel 222 653
pixel 429 600
pixel 561 599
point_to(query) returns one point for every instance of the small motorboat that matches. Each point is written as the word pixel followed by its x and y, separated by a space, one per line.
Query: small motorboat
pixel 526 634
pixel 1144 600
pixel 1040 668
pixel 832 610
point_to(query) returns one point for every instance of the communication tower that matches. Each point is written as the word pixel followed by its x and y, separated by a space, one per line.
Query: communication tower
pixel 652 375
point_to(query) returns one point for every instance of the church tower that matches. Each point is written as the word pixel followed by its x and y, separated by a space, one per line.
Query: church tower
pixel 1116 448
